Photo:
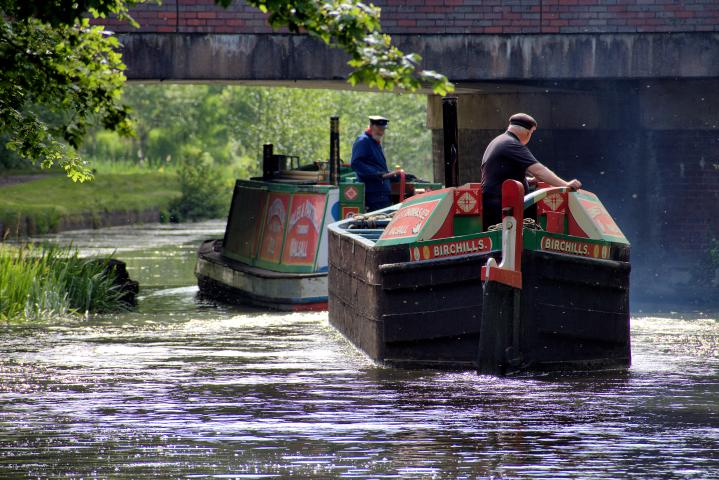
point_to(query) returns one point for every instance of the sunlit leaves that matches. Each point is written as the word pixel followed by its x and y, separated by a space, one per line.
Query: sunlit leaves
pixel 354 27
pixel 59 74
pixel 58 79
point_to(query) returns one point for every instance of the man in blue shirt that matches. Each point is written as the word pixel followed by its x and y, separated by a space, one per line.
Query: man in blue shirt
pixel 369 164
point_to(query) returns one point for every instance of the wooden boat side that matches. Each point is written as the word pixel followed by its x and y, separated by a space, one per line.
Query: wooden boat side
pixel 428 314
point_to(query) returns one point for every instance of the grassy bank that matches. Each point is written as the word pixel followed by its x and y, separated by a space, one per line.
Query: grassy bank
pixel 40 282
pixel 44 202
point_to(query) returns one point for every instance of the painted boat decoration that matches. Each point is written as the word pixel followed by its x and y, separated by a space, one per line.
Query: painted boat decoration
pixel 274 251
pixel 430 286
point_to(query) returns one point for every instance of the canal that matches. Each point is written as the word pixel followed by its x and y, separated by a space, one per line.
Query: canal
pixel 184 388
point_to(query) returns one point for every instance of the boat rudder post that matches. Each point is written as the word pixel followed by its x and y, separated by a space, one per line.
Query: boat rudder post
pixel 499 351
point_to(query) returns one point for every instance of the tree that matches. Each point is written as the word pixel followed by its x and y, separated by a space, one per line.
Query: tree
pixel 60 74
pixel 354 27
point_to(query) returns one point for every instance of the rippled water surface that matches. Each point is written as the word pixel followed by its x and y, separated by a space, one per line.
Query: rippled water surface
pixel 182 388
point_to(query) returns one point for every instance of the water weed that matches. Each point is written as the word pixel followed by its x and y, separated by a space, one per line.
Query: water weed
pixel 44 281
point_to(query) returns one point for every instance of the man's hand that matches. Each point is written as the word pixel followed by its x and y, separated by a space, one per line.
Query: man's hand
pixel 574 184
pixel 392 173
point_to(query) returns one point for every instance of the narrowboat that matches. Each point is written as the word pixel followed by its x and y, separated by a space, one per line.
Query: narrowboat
pixel 427 284
pixel 274 250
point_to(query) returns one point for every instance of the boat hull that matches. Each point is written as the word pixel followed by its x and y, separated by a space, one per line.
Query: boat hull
pixel 574 312
pixel 231 281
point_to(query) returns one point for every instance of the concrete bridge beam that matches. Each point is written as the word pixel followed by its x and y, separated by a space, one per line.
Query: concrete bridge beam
pixel 465 59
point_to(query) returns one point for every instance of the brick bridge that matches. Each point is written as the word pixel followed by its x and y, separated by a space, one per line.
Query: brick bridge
pixel 626 93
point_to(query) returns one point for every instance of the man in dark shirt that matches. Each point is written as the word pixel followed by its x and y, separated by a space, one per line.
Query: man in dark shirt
pixel 370 165
pixel 507 157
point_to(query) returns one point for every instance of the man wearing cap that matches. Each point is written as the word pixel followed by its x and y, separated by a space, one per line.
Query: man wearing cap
pixel 507 157
pixel 370 165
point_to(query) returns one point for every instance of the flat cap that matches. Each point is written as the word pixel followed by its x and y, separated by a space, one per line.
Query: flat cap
pixel 378 120
pixel 523 120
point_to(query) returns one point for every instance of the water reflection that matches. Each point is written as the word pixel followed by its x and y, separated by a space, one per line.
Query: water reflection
pixel 182 388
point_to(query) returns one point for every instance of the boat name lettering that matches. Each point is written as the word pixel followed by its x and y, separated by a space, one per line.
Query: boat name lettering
pixel 572 248
pixel 450 249
pixel 304 210
pixel 459 248
pixel 397 230
pixel 298 248
pixel 418 212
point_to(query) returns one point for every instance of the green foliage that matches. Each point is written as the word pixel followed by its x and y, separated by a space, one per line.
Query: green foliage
pixel 56 80
pixel 108 146
pixel 204 192
pixel 46 201
pixel 296 122
pixel 52 281
pixel 60 74
pixel 231 123
pixel 354 27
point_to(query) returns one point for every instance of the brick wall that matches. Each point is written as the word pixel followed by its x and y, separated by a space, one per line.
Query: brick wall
pixel 454 16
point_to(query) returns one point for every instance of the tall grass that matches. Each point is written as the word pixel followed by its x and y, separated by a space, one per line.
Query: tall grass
pixel 48 281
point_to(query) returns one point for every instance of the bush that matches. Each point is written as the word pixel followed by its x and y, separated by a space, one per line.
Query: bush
pixel 39 282
pixel 204 192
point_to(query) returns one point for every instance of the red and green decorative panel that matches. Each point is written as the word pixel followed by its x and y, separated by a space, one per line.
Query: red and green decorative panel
pixel 304 229
pixel 421 217
pixel 273 232
pixel 456 246
pixel 351 199
pixel 552 212
pixel 588 218
pixel 351 192
pixel 557 243
pixel 348 212
pixel 468 209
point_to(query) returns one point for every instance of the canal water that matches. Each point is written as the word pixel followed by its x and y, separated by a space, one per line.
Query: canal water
pixel 183 388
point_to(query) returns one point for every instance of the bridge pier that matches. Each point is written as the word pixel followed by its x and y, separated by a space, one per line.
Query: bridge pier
pixel 648 148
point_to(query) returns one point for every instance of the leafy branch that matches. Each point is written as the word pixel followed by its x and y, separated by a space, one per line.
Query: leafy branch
pixel 354 27
pixel 60 74
pixel 55 83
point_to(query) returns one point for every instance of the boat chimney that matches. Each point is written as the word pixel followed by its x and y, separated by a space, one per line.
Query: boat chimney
pixel 334 150
pixel 449 125
pixel 269 162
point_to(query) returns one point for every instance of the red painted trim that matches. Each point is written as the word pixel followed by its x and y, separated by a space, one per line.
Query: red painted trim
pixel 310 307
pixel 500 275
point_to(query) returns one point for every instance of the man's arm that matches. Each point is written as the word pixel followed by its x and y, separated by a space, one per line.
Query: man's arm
pixel 544 174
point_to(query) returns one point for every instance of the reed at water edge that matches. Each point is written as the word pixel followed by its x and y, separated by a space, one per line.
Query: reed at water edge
pixel 50 281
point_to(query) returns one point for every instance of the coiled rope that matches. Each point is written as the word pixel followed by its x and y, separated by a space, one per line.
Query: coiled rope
pixel 373 220
pixel 528 223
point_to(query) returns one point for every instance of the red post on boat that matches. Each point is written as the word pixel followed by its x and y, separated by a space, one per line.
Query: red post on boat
pixel 402 185
pixel 509 271
pixel 499 333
